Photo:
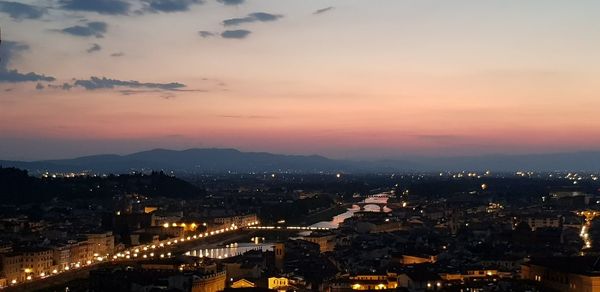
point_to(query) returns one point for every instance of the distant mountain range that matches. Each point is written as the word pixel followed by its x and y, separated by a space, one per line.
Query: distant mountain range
pixel 191 160
pixel 214 160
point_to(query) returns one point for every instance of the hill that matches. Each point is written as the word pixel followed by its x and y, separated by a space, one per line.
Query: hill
pixel 213 160
pixel 17 186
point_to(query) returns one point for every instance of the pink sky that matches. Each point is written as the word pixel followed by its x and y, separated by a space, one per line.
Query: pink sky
pixel 361 80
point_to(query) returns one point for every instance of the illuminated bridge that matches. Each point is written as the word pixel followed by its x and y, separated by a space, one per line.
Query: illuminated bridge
pixel 381 206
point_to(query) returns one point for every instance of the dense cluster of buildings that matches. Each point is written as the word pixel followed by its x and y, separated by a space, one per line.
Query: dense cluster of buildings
pixel 21 263
pixel 469 240
pixel 62 237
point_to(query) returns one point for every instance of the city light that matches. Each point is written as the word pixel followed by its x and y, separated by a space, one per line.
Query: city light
pixel 589 216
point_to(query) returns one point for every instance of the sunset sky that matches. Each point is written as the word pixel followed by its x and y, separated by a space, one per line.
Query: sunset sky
pixel 345 79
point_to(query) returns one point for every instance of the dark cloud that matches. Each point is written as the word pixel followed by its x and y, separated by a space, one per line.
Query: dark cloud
pixel 20 11
pixel 253 17
pixel 263 16
pixel 13 76
pixel 117 54
pixel 161 91
pixel 94 28
pixel 323 10
pixel 232 2
pixel 106 83
pixel 94 48
pixel 134 92
pixel 206 34
pixel 39 86
pixel 235 34
pixel 8 51
pixel 99 6
pixel 64 86
pixel 170 5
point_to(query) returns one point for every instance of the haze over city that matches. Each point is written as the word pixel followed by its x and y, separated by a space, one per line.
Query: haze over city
pixel 344 79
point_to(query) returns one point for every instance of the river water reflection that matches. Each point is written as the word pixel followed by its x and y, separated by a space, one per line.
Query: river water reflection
pixel 338 219
pixel 229 250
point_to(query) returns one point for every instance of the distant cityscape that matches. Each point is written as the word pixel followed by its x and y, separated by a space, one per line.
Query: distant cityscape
pixel 155 231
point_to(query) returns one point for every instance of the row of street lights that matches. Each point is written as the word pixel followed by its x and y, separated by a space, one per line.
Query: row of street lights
pixel 137 252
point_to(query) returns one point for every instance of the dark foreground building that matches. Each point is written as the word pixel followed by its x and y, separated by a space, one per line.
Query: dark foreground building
pixel 564 273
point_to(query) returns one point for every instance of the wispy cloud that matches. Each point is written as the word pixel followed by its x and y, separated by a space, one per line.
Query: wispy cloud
pixel 64 86
pixel 106 83
pixel 323 10
pixel 206 34
pixel 94 28
pixel 235 34
pixel 141 91
pixel 253 17
pixel 94 48
pixel 231 2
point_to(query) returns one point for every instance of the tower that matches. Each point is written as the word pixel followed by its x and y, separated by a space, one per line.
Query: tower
pixel 279 250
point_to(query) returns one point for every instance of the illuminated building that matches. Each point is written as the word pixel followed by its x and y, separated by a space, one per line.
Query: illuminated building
pixel 242 283
pixel 209 282
pixel 418 259
pixel 37 260
pixel 326 241
pixel 80 252
pixel 26 264
pixel 242 220
pixel 101 243
pixel 61 256
pixel 366 282
pixel 12 267
pixel 542 221
pixel 278 283
pixel 150 209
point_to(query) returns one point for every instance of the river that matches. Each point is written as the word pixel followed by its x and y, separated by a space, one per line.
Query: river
pixel 258 243
pixel 229 250
pixel 338 219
